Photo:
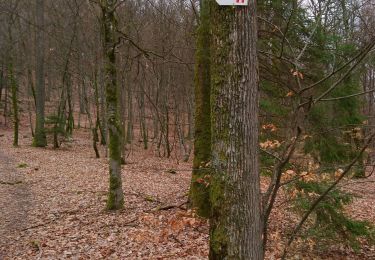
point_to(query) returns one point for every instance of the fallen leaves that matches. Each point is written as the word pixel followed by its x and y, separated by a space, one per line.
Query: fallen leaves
pixel 66 194
pixel 59 206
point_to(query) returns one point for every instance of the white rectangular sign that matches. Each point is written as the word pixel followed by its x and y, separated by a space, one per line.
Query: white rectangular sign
pixel 232 2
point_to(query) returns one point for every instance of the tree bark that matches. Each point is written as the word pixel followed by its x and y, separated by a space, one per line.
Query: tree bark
pixel 40 139
pixel 1 81
pixel 129 129
pixel 142 116
pixel 30 91
pixel 235 224
pixel 115 195
pixel 199 193
pixel 14 89
pixel 5 112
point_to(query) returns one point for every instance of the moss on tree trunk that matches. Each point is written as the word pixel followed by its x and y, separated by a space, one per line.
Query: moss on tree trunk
pixel 235 223
pixel 115 195
pixel 199 190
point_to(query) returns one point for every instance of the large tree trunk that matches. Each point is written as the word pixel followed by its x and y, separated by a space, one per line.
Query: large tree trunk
pixel 40 139
pixel 115 194
pixel 199 194
pixel 236 229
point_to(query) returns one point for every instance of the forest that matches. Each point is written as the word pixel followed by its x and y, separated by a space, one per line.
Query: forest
pixel 187 129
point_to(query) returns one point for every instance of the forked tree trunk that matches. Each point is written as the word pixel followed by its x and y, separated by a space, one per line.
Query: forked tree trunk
pixel 115 193
pixel 235 231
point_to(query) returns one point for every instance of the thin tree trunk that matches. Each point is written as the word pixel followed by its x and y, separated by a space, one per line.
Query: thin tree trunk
pixel 129 131
pixel 14 89
pixel 115 194
pixel 40 139
pixel 142 116
pixel 69 91
pixel 92 127
pixel 1 82
pixel 103 112
pixel 167 113
pixel 98 107
pixel 60 118
pixel 6 102
pixel 185 151
pixel 49 79
pixel 122 110
pixel 81 89
pixel 29 107
pixel 30 91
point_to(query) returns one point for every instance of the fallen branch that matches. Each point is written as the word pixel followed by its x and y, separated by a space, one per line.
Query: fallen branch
pixel 58 215
pixel 168 207
pixel 38 225
pixel 10 183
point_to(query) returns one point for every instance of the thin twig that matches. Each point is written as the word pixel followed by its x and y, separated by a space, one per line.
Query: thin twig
pixel 348 96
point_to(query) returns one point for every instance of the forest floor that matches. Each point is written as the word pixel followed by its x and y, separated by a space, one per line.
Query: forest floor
pixel 52 207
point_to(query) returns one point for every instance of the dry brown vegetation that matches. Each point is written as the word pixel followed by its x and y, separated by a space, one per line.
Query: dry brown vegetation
pixel 53 202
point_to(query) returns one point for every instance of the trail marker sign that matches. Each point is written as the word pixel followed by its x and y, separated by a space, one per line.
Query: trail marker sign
pixel 233 2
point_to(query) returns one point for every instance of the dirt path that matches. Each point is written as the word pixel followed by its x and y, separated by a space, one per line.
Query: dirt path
pixel 15 200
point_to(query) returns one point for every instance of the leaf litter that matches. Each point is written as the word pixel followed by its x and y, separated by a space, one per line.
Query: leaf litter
pixel 56 209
